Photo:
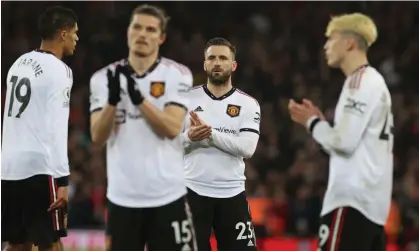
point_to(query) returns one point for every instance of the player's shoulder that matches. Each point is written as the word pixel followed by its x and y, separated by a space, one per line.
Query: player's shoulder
pixel 196 91
pixel 374 76
pixel 18 61
pixel 52 62
pixel 367 79
pixel 245 98
pixel 65 70
pixel 46 62
pixel 197 88
pixel 99 75
pixel 176 67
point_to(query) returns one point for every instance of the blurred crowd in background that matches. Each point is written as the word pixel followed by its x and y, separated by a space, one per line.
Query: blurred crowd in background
pixel 280 56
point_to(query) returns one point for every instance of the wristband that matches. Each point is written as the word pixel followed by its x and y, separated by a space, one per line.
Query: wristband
pixel 62 181
pixel 312 122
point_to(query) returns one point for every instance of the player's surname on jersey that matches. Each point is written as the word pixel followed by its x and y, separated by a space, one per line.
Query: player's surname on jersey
pixel 30 62
pixel 212 126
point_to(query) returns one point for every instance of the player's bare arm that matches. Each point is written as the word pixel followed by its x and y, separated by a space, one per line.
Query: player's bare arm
pixel 103 121
pixel 62 199
pixel 101 124
pixel 167 122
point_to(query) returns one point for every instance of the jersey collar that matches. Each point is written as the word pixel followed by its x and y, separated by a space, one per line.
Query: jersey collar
pixel 359 68
pixel 44 51
pixel 150 70
pixel 226 95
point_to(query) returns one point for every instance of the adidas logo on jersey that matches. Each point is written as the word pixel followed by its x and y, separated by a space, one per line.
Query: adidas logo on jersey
pixel 250 243
pixel 198 109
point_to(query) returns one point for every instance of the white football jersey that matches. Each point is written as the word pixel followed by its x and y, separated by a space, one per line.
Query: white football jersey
pixel 360 146
pixel 214 167
pixel 35 122
pixel 144 169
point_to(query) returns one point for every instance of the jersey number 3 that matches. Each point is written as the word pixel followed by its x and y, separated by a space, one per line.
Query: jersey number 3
pixel 17 91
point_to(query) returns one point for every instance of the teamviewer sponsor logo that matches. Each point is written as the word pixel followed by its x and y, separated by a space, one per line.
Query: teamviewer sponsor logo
pixel 225 130
pixel 135 115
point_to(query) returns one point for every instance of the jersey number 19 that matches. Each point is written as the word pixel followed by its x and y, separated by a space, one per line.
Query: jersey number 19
pixel 17 91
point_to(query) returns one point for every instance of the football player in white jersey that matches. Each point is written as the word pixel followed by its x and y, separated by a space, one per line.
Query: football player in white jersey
pixel 137 108
pixel 34 163
pixel 357 200
pixel 223 129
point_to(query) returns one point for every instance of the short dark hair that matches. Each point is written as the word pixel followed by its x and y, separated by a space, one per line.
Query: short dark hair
pixel 154 11
pixel 54 19
pixel 219 41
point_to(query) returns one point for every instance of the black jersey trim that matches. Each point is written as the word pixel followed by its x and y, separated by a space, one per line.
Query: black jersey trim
pixel 176 104
pixel 62 181
pixel 226 95
pixel 313 124
pixel 145 74
pixel 44 51
pixel 96 110
pixel 249 130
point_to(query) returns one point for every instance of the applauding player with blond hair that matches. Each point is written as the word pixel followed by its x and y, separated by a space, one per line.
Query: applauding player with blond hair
pixel 357 200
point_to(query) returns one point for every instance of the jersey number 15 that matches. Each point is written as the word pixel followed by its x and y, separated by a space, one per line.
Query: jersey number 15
pixel 17 91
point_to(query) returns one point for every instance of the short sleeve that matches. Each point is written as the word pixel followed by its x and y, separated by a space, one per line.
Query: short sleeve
pixel 182 83
pixel 98 91
pixel 251 118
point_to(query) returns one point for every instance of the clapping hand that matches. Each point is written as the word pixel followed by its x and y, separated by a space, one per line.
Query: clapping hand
pixel 301 113
pixel 198 130
pixel 114 86
pixel 134 93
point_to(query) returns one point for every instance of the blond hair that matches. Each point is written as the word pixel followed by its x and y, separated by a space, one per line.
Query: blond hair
pixel 356 22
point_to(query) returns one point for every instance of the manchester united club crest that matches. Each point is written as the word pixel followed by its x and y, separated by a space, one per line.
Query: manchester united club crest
pixel 157 88
pixel 233 110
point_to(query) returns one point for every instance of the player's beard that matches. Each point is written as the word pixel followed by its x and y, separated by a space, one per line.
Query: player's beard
pixel 219 78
